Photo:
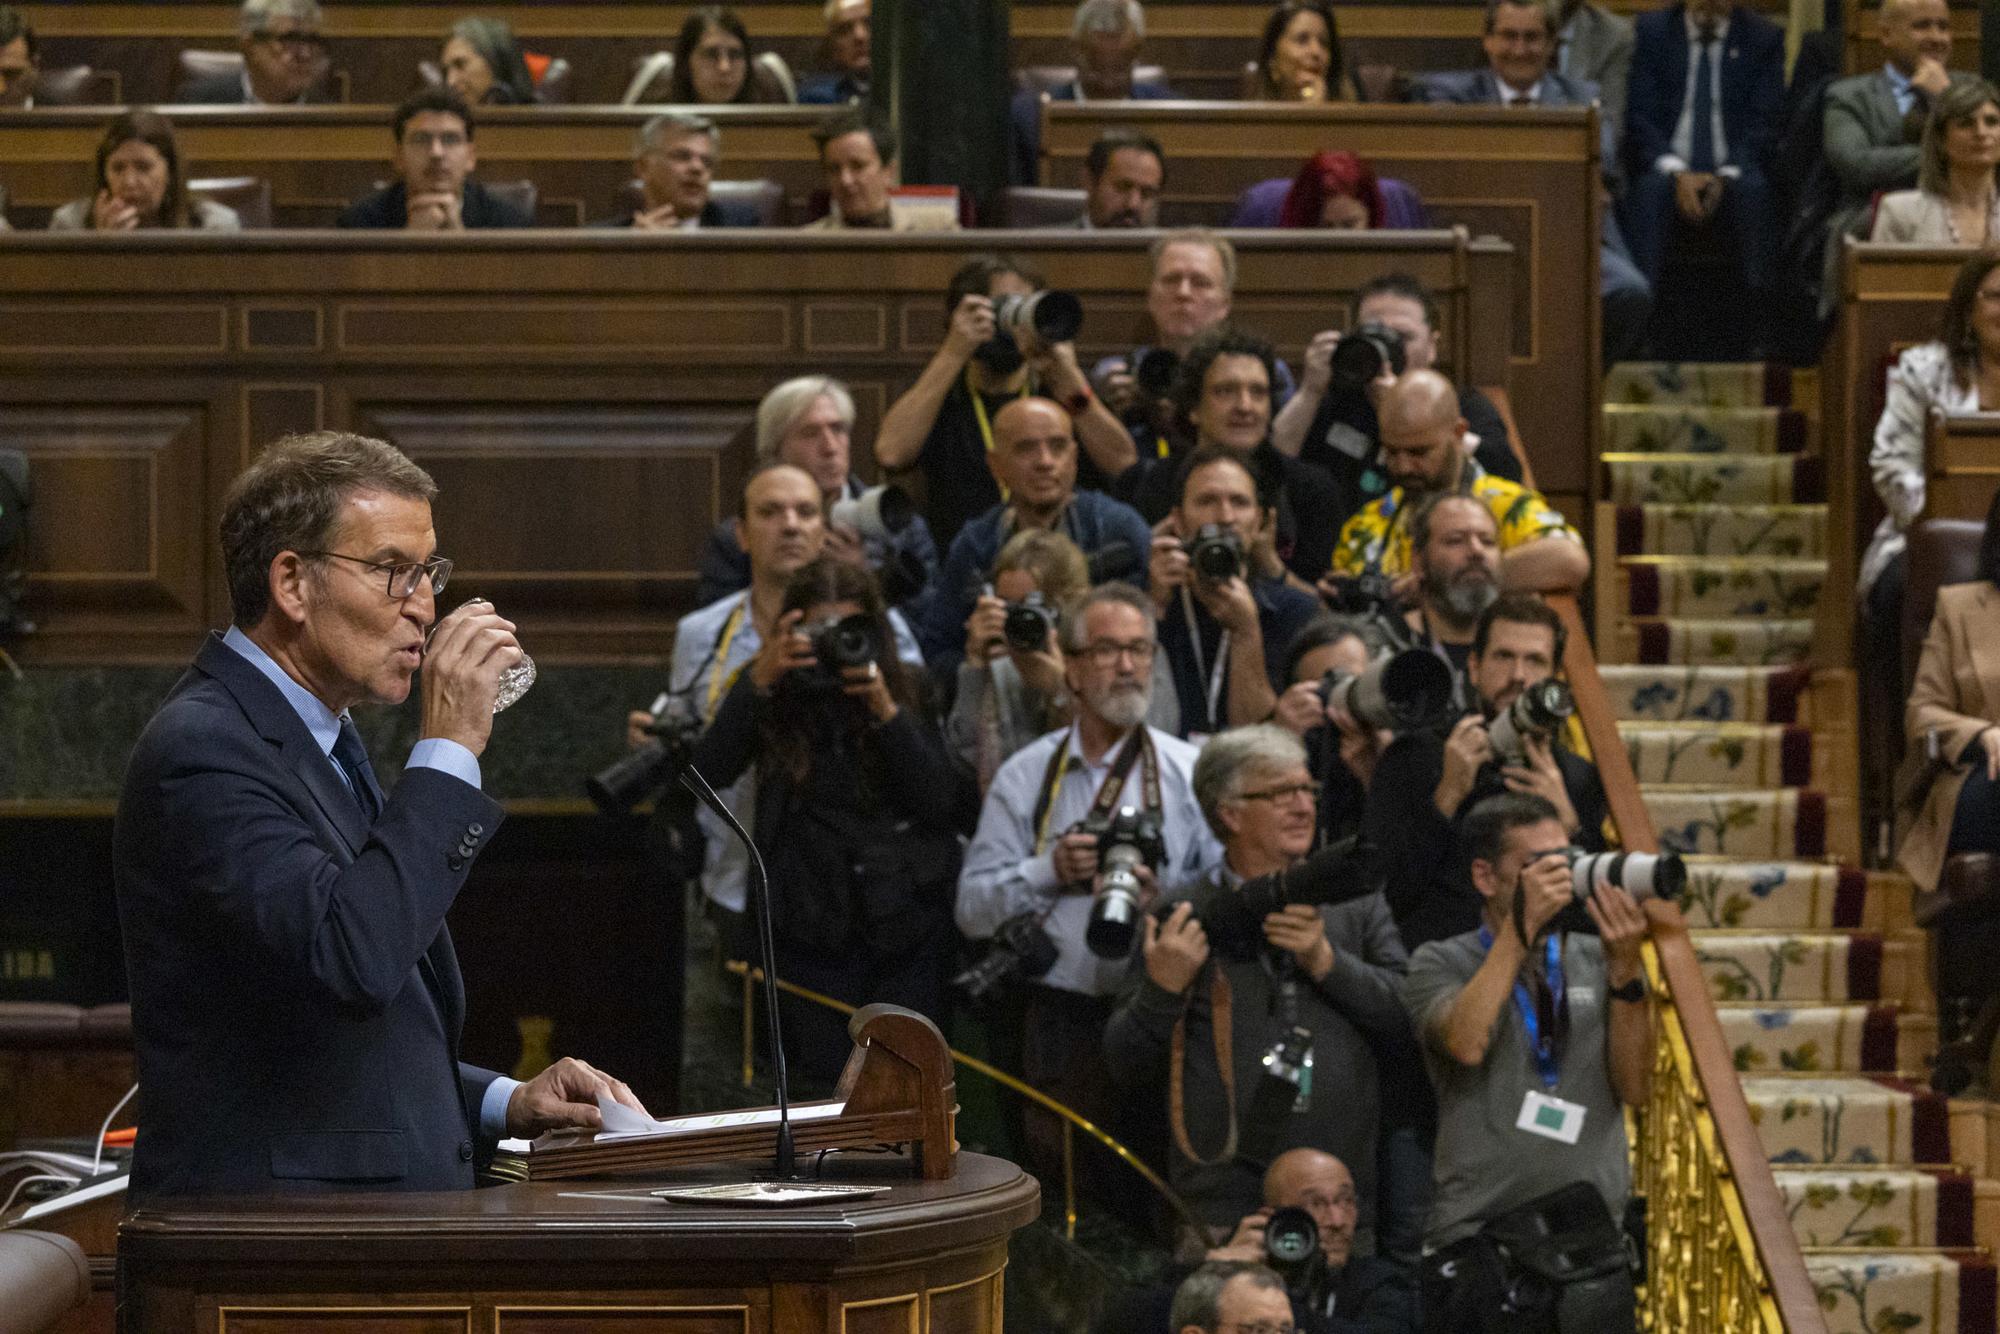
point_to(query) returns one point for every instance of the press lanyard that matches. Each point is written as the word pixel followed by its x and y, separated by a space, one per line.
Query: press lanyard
pixel 1160 446
pixel 1542 1046
pixel 1214 720
pixel 721 680
pixel 1138 746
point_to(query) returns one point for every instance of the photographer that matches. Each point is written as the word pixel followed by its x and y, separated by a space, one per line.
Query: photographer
pixel 1454 573
pixel 1222 397
pixel 1260 1037
pixel 808 422
pixel 1536 1042
pixel 1422 453
pixel 1331 421
pixel 1427 779
pixel 1340 751
pixel 783 528
pixel 1033 461
pixel 943 424
pixel 1030 866
pixel 1224 626
pixel 857 807
pixel 1010 683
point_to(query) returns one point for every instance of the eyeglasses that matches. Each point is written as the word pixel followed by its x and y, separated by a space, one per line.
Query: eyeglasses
pixel 1105 654
pixel 403 576
pixel 307 43
pixel 1289 792
pixel 423 140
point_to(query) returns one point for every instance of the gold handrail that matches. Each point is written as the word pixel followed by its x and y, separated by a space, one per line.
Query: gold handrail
pixel 1071 1119
pixel 1722 1255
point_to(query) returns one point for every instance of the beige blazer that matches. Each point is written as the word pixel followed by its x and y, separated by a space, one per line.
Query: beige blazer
pixel 1915 218
pixel 900 220
pixel 1957 696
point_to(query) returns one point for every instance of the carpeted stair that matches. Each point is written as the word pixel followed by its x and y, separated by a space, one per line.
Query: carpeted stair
pixel 1710 560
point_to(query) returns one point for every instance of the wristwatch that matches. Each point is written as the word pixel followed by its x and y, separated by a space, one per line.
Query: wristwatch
pixel 1633 991
pixel 1078 403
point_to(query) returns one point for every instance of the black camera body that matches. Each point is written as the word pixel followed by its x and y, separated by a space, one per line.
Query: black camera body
pixel 1291 1245
pixel 1364 351
pixel 1126 840
pixel 1216 553
pixel 839 643
pixel 1154 372
pixel 1233 919
pixel 1020 949
pixel 1539 711
pixel 618 787
pixel 1029 623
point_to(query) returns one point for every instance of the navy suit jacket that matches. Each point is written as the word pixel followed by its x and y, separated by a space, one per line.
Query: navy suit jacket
pixel 1752 92
pixel 1481 87
pixel 296 1004
pixel 1024 114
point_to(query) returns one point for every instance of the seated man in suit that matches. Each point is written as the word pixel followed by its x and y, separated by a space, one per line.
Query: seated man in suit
pixel 435 157
pixel 674 164
pixel 1520 42
pixel 848 51
pixel 1873 124
pixel 1122 176
pixel 1708 83
pixel 284 59
pixel 1108 34
pixel 296 1003
pixel 20 61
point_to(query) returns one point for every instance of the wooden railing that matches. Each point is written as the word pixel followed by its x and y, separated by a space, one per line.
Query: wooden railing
pixel 1723 1257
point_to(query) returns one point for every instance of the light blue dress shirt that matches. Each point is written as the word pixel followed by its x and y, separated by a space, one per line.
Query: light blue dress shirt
pixel 1900 88
pixel 438 753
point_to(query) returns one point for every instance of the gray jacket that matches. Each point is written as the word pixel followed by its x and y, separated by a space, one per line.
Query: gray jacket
pixel 1600 52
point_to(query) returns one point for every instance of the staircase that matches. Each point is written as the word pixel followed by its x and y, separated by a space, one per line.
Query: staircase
pixel 1710 559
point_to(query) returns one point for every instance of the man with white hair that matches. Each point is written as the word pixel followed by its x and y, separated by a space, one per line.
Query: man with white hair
pixel 848 50
pixel 1214 1006
pixel 1029 861
pixel 1107 34
pixel 808 422
pixel 673 162
pixel 284 59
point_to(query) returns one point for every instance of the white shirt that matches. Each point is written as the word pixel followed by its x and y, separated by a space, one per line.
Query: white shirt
pixel 1004 875
pixel 1683 140
pixel 1510 95
pixel 1920 380
pixel 703 670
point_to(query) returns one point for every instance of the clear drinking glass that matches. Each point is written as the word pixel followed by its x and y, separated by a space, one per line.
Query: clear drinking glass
pixel 514 682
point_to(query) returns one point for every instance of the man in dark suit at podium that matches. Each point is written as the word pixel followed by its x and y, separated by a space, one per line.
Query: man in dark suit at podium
pixel 296 1004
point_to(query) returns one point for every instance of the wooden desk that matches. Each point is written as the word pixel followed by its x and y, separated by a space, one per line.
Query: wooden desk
pixel 1528 177
pixel 584 399
pixel 319 159
pixel 1862 42
pixel 926 1256
pixel 1890 298
pixel 1962 463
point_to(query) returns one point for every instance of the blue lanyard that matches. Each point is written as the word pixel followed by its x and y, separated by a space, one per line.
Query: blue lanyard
pixel 1540 1045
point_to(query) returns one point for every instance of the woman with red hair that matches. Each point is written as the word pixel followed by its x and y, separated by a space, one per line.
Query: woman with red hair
pixel 1336 190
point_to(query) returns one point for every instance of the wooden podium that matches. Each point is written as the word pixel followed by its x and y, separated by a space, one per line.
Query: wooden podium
pixel 573 1256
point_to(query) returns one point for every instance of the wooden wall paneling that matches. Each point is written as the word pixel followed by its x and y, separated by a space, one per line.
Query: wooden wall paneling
pixel 1963 462
pixel 1862 41
pixel 584 398
pixel 1891 297
pixel 1530 178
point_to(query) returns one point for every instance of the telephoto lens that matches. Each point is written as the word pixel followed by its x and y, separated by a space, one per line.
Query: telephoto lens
pixel 1051 317
pixel 1363 352
pixel 1643 875
pixel 1126 842
pixel 879 513
pixel 1155 372
pixel 1539 711
pixel 1291 1242
pixel 1403 692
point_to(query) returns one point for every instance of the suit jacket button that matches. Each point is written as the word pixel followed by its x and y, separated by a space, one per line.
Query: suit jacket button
pixel 475 830
pixel 455 862
pixel 465 1151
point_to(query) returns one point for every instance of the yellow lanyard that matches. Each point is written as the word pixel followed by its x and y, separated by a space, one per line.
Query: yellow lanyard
pixel 1055 786
pixel 1160 446
pixel 979 406
pixel 718 680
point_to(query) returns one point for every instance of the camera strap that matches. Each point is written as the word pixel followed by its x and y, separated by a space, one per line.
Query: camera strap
pixel 1544 1010
pixel 1212 697
pixel 1222 1010
pixel 720 680
pixel 979 409
pixel 1138 747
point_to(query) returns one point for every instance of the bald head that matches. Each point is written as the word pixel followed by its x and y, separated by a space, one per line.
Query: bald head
pixel 1320 1184
pixel 1034 457
pixel 1915 31
pixel 1420 400
pixel 1420 431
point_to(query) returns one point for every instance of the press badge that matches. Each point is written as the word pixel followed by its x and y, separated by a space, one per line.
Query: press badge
pixel 1551 1118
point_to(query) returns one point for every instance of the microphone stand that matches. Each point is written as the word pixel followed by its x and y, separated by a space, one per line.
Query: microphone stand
pixel 760 888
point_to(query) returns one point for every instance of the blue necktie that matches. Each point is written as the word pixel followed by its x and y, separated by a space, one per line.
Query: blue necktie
pixel 352 757
pixel 1701 145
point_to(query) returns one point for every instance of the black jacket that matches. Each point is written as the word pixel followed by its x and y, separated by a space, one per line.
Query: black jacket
pixel 389 209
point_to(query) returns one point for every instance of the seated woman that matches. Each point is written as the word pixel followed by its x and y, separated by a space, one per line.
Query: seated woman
pixel 1336 191
pixel 140 183
pixel 1008 696
pixel 1957 199
pixel 483 64
pixel 1299 59
pixel 1958 373
pixel 1954 721
pixel 713 65
pixel 858 809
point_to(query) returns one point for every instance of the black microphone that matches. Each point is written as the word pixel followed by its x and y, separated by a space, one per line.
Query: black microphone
pixel 760 888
